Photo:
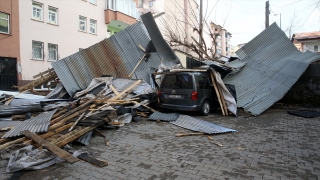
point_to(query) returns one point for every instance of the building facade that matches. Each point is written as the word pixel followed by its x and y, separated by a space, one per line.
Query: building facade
pixel 222 41
pixel 43 31
pixel 10 62
pixel 176 17
pixel 307 41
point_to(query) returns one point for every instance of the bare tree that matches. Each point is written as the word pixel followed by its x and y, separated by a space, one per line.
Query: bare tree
pixel 293 25
pixel 173 28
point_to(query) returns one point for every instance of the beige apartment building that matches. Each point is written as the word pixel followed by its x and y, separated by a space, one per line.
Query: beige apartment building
pixel 35 33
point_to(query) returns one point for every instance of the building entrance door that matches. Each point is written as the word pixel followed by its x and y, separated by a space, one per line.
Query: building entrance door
pixel 8 73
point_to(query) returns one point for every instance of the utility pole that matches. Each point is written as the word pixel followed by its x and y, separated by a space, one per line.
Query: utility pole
pixel 267 14
pixel 200 19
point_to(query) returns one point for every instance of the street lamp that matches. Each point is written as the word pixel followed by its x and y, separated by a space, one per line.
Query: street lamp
pixel 280 18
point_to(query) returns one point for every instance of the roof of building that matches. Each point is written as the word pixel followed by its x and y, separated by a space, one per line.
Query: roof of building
pixel 306 35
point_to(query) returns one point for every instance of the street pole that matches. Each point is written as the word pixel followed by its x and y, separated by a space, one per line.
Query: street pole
pixel 267 14
pixel 280 20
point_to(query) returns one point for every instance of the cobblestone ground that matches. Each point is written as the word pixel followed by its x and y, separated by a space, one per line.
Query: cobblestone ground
pixel 274 145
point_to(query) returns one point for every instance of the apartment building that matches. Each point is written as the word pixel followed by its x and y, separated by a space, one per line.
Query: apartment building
pixel 33 34
pixel 10 62
pixel 176 17
pixel 223 37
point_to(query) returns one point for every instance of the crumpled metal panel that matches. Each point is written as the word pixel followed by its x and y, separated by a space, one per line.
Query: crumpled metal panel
pixel 142 88
pixel 116 56
pixel 159 43
pixel 36 124
pixel 273 66
pixel 8 110
pixel 164 116
pixel 199 125
pixel 85 139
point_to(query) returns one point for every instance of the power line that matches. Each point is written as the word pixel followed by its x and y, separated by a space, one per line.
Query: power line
pixel 289 4
pixel 240 9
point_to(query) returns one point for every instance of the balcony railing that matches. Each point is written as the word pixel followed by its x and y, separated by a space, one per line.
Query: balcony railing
pixel 128 7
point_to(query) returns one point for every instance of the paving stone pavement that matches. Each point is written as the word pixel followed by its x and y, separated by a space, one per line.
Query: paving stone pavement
pixel 274 145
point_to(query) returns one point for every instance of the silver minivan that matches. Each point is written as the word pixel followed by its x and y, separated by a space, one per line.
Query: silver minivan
pixel 186 91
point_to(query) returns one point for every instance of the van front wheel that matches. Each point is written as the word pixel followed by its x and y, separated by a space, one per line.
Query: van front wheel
pixel 205 108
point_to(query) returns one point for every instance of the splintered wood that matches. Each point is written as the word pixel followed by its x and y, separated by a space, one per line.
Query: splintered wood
pixel 219 94
pixel 41 79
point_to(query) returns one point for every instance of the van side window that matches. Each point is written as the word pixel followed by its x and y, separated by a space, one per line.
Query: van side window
pixel 177 81
pixel 202 81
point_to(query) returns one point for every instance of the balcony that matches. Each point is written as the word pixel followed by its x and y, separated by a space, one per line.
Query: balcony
pixel 121 11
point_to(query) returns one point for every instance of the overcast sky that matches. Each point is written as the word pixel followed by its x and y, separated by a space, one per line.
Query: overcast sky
pixel 245 19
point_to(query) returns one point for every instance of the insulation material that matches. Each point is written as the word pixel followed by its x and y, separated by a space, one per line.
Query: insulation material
pixel 31 158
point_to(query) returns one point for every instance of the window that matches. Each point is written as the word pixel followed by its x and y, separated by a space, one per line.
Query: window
pixel 315 48
pixel 177 81
pixel 37 11
pixel 93 1
pixel 151 3
pixel 37 50
pixel 53 52
pixel 82 23
pixel 93 26
pixel 4 23
pixel 53 15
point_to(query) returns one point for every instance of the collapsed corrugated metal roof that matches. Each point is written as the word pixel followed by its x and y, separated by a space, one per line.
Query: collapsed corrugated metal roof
pixel 273 66
pixel 116 56
pixel 199 125
pixel 36 124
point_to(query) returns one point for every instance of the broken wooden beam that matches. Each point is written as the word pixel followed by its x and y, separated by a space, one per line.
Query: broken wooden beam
pixel 54 149
pixel 92 160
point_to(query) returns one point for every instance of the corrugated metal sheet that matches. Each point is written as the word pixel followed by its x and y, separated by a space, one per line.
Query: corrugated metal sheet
pixel 273 66
pixel 20 109
pixel 142 88
pixel 199 125
pixel 85 139
pixel 160 44
pixel 36 124
pixel 164 116
pixel 116 56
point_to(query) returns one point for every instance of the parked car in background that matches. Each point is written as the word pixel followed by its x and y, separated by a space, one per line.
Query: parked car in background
pixel 186 91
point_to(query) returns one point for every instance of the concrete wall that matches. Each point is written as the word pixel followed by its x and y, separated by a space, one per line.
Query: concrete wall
pixel 66 34
pixel 9 43
pixel 307 89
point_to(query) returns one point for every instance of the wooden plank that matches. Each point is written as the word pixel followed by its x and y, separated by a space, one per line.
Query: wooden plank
pixel 92 160
pixel 51 133
pixel 136 66
pixel 54 149
pixel 126 90
pixel 75 123
pixel 114 90
pixel 71 136
pixel 222 99
pixel 217 91
pixel 42 73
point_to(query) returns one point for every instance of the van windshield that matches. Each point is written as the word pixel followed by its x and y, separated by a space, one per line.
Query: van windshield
pixel 177 81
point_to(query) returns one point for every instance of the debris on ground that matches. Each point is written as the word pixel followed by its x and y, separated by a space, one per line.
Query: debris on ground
pixel 92 94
